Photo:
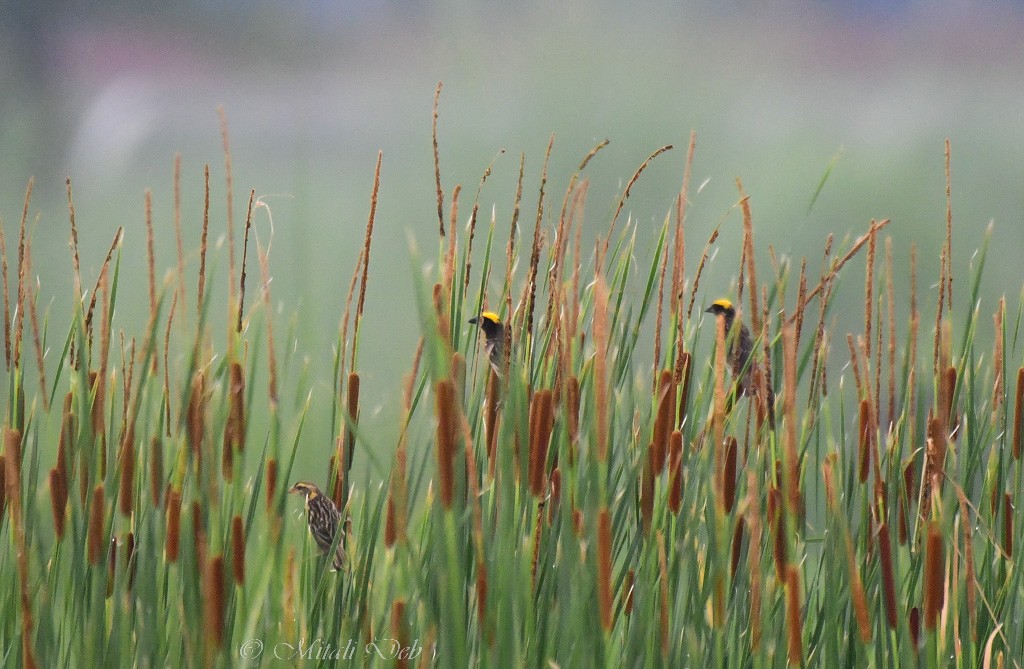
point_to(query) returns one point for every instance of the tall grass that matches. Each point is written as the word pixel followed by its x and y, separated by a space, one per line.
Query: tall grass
pixel 583 508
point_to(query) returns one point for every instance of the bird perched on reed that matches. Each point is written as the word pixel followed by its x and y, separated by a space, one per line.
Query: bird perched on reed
pixel 324 520
pixel 745 370
pixel 494 339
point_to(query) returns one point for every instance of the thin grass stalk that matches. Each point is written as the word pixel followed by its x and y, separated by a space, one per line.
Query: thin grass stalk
pixel 971 579
pixel 237 550
pixel 230 200
pixel 675 467
pixel 625 196
pixel 37 343
pixel 876 226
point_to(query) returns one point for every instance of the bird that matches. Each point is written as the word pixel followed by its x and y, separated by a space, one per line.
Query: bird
pixel 738 355
pixel 494 339
pixel 324 520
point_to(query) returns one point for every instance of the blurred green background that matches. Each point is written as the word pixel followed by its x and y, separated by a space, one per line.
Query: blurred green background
pixel 312 90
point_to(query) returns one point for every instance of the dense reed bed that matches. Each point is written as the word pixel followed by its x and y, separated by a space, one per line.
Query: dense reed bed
pixel 586 507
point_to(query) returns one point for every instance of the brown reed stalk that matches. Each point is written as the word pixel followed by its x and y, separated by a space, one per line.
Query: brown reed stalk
pixel 446 408
pixel 949 232
pixel 914 623
pixel 869 285
pixel 729 477
pixel 366 253
pixel 753 520
pixel 855 366
pixel 876 226
pixel 11 461
pixel 604 567
pixel 675 468
pixel 173 524
pixel 468 265
pixel 679 244
pixel 700 269
pixel 601 366
pixel 718 415
pixel 178 238
pixel 555 496
pixel 538 242
pixel 665 603
pixel 230 197
pixel 998 361
pixel 449 264
pixel 792 462
pixel 737 546
pixel 156 469
pixel 437 162
pixel 541 424
pixel 96 532
pixel 1018 416
pixel 58 500
pixel 237 550
pixel 932 578
pixel 888 574
pixel 891 305
pixel 794 618
pixel 271 482
pixel 245 258
pixel 1008 525
pixel 31 298
pixel 684 372
pixel 271 355
pixel 126 492
pixel 214 600
pixel 167 355
pixel 865 437
pixel 625 196
pixel 203 246
pixel 6 288
pixel 19 314
pixel 663 420
pixel 748 246
pixel 150 253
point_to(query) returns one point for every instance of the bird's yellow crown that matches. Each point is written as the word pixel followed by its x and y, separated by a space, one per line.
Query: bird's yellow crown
pixel 491 316
pixel 724 303
pixel 306 488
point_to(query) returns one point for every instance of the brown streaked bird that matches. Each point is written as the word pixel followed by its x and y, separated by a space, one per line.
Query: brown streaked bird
pixel 324 520
pixel 740 350
pixel 494 338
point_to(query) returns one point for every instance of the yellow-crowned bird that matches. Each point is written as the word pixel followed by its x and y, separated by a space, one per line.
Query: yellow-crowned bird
pixel 745 370
pixel 494 339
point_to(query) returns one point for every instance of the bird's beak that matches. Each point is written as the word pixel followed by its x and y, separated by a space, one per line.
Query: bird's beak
pixel 709 310
pixel 474 321
pixel 294 489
